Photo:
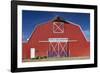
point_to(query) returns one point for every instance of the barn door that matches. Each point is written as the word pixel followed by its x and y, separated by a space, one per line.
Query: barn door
pixel 32 53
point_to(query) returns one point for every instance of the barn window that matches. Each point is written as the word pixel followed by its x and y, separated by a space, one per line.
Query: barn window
pixel 58 27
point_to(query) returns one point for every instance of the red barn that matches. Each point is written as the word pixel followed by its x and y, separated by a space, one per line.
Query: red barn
pixel 56 38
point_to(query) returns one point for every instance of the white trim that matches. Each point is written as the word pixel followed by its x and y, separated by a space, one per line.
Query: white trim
pixel 80 29
pixel 58 39
pixel 58 27
pixel 53 63
pixel 55 48
pixel 55 41
pixel 34 30
pixel 38 8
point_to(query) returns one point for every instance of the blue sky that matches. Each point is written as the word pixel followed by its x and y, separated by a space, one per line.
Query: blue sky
pixel 31 18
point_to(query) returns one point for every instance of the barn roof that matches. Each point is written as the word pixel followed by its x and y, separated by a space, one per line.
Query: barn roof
pixel 60 19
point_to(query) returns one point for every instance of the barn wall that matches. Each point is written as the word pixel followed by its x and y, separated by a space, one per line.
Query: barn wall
pixel 79 48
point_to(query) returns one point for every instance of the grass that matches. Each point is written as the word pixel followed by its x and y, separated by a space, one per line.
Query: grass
pixel 38 59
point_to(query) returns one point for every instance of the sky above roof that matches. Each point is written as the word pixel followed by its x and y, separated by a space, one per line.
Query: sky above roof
pixel 31 18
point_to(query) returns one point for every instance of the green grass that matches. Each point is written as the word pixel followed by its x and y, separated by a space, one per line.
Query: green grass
pixel 44 58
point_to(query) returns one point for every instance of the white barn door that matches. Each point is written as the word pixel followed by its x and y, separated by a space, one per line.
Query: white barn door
pixel 32 53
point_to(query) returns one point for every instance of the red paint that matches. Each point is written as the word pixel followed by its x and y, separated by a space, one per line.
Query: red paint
pixel 45 31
